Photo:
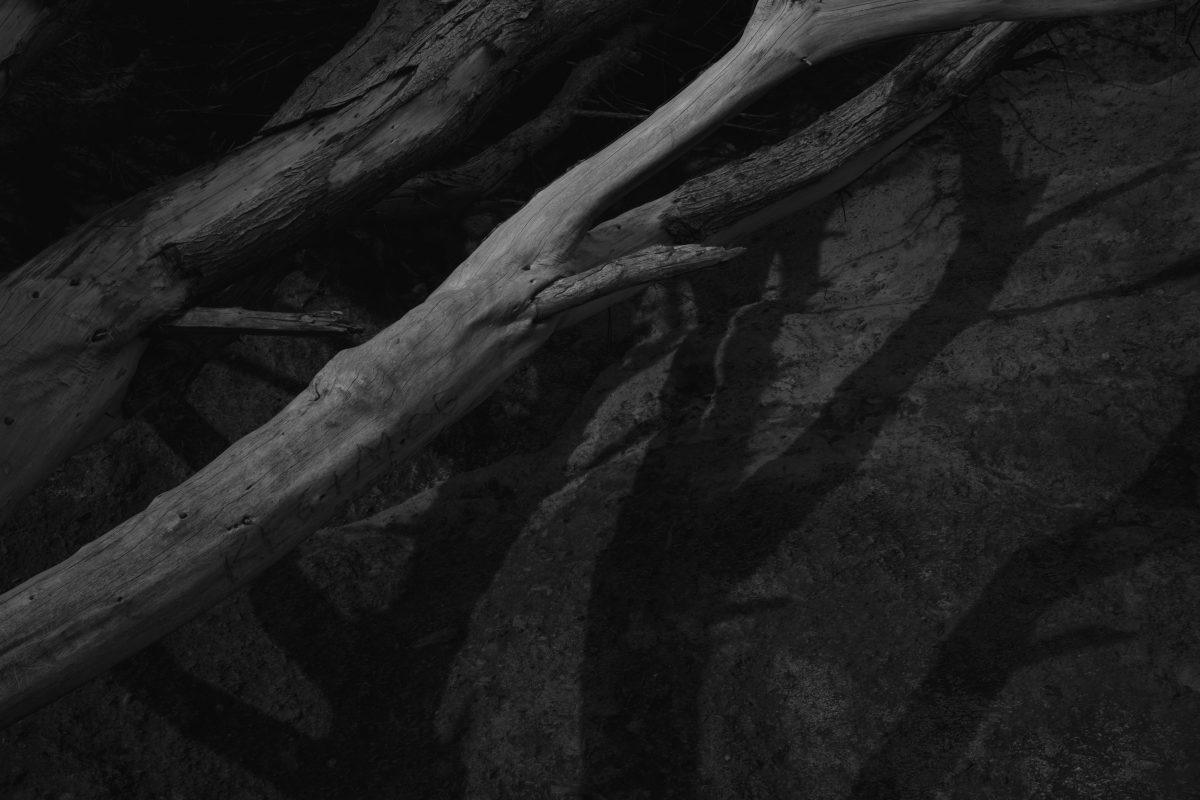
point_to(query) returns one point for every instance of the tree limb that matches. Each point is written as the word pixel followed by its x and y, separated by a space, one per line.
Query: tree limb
pixel 272 323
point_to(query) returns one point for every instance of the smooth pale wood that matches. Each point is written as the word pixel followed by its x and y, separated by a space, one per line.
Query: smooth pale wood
pixel 28 28
pixel 72 320
pixel 378 403
pixel 271 323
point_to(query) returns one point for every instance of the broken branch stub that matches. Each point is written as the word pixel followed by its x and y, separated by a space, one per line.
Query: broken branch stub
pixel 378 403
pixel 653 264
pixel 657 263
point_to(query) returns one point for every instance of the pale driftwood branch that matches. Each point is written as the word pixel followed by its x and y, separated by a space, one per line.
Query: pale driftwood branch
pixel 73 319
pixel 805 167
pixel 446 190
pixel 382 401
pixel 28 28
pixel 811 164
pixel 744 195
pixel 656 263
pixel 272 323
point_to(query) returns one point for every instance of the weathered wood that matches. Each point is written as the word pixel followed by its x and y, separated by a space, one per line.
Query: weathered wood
pixel 29 28
pixel 781 179
pixel 656 263
pixel 377 403
pixel 72 320
pixel 776 181
pixel 441 191
pixel 375 54
pixel 271 323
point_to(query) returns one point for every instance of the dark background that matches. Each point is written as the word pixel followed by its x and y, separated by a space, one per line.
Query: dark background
pixel 901 504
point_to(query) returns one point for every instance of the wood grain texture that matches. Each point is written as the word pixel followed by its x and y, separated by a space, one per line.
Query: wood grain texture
pixel 439 191
pixel 72 320
pixel 721 205
pixel 378 403
pixel 270 323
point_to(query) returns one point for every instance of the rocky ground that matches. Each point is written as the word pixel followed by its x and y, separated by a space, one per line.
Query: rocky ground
pixel 904 503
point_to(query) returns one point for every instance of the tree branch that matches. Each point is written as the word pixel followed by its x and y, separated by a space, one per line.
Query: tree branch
pixel 273 323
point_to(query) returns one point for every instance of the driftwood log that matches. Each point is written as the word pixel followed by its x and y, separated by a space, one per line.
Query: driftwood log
pixel 73 320
pixel 377 403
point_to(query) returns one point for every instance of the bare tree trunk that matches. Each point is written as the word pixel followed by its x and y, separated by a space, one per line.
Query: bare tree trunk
pixel 73 319
pixel 382 401
pixel 28 28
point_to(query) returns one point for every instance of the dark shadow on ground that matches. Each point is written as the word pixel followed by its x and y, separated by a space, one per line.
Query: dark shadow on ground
pixel 382 672
pixel 664 578
pixel 997 636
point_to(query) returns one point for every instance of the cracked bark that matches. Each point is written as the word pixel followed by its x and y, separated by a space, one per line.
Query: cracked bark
pixel 74 318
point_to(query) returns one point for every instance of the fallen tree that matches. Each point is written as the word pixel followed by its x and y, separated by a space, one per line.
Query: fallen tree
pixel 73 320
pixel 380 402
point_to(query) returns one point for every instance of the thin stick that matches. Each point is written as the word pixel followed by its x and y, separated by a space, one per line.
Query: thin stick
pixel 271 323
